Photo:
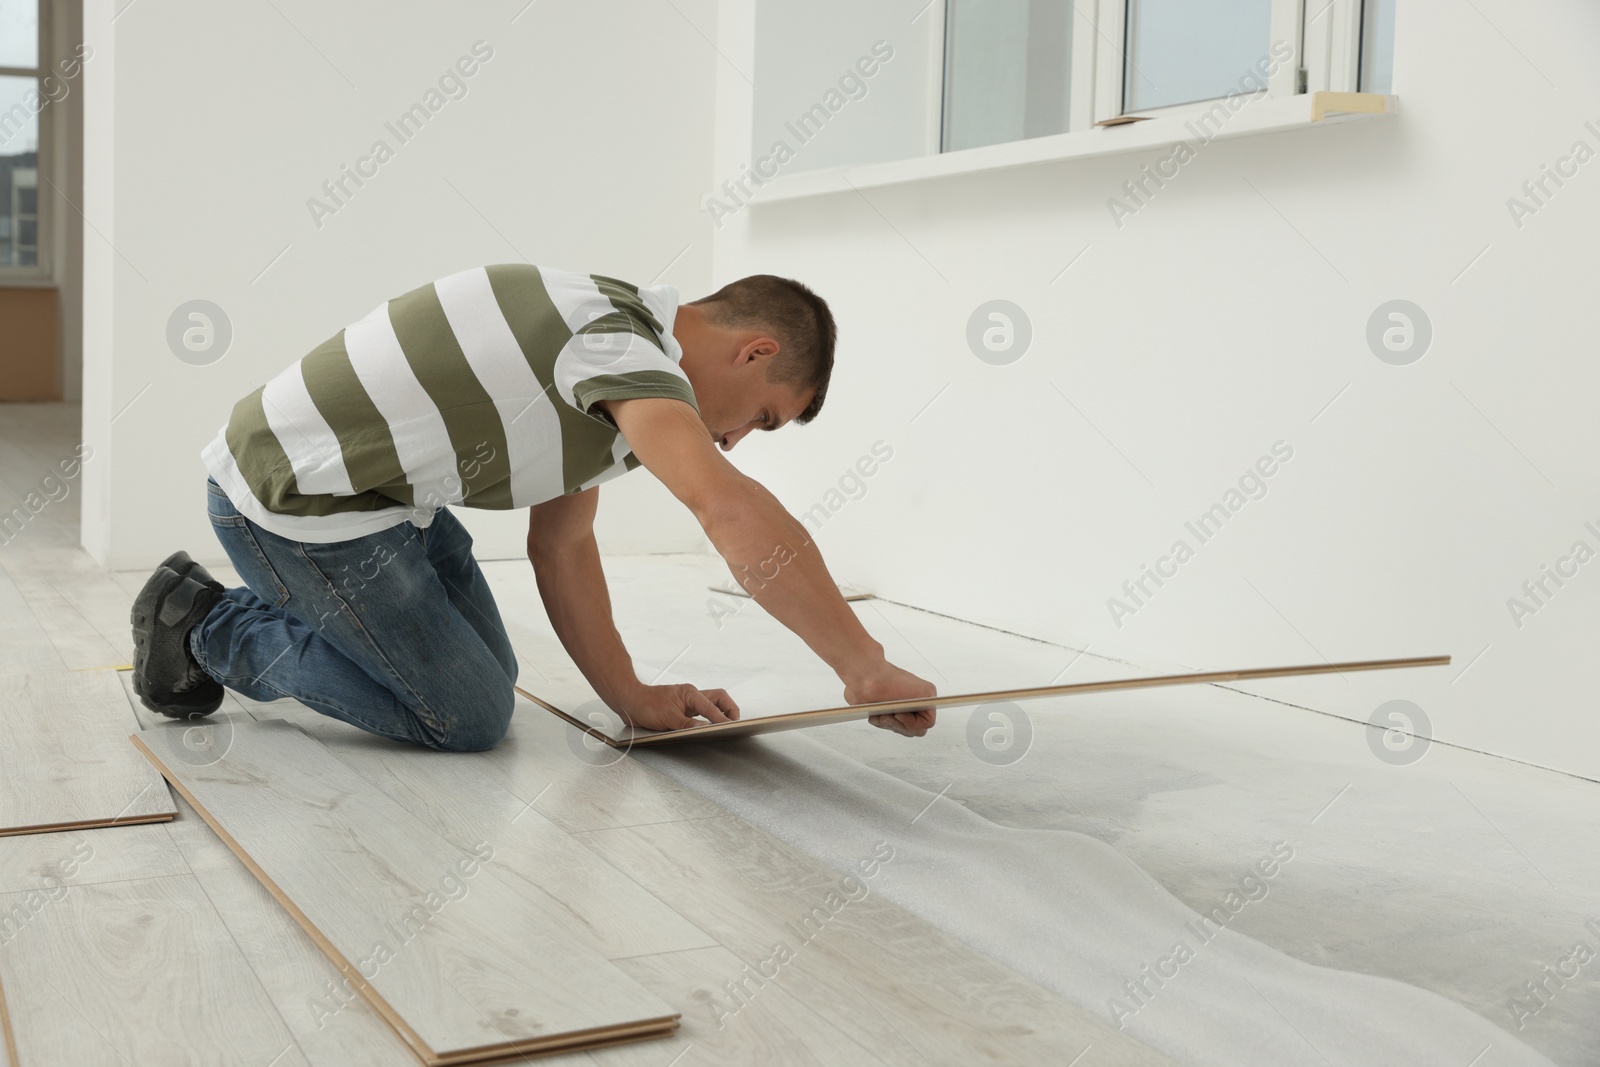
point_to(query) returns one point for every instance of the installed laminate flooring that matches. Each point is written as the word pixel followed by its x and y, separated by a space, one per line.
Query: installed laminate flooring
pixel 82 610
pixel 25 646
pixel 134 972
pixel 894 985
pixel 556 813
pixel 450 792
pixel 64 756
pixel 460 962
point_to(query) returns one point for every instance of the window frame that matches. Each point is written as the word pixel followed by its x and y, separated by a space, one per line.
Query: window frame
pixel 1326 58
pixel 42 272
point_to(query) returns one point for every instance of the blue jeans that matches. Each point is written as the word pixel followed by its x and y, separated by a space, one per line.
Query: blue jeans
pixel 395 632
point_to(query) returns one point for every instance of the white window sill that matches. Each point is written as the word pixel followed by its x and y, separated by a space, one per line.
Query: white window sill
pixel 25 278
pixel 1255 116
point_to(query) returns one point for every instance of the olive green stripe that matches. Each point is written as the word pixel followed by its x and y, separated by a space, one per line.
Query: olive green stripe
pixel 625 298
pixel 620 322
pixel 533 317
pixel 542 333
pixel 470 416
pixel 632 386
pixel 260 457
pixel 365 441
pixel 258 452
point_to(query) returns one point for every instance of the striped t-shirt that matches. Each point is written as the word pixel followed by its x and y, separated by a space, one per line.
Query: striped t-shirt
pixel 478 389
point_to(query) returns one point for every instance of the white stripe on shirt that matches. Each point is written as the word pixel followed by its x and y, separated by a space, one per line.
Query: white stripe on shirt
pixel 305 435
pixel 530 422
pixel 420 438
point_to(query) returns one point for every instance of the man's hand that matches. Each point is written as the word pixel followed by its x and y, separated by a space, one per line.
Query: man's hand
pixel 888 682
pixel 769 552
pixel 670 707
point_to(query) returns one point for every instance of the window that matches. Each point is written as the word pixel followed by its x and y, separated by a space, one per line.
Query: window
pixel 839 83
pixel 1377 46
pixel 1005 70
pixel 21 101
pixel 1015 69
pixel 1183 51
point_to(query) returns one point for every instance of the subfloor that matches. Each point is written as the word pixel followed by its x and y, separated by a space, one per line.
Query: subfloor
pixel 1461 874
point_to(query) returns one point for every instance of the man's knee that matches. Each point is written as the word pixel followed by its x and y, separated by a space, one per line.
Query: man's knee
pixel 481 726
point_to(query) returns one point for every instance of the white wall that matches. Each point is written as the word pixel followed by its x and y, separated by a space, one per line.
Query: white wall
pixel 584 143
pixel 1221 318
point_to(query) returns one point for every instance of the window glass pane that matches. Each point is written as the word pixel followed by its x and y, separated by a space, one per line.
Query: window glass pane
pixel 19 33
pixel 1377 46
pixel 1180 51
pixel 836 82
pixel 1006 70
pixel 19 175
pixel 19 114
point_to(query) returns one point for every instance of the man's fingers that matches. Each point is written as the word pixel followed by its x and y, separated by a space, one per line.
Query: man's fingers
pixel 699 704
pixel 888 722
pixel 905 723
pixel 722 700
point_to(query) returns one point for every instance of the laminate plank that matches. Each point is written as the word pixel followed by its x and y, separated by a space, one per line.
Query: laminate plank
pixel 895 985
pixel 87 857
pixel 135 972
pixel 333 1026
pixel 37 437
pixel 461 964
pixel 8 1038
pixel 64 756
pixel 130 582
pixel 80 608
pixel 580 785
pixel 770 1027
pixel 450 793
pixel 25 648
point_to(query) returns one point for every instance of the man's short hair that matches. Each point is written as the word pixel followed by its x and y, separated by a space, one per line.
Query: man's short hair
pixel 797 318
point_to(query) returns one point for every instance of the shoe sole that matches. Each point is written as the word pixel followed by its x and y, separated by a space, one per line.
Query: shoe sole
pixel 141 616
pixel 148 608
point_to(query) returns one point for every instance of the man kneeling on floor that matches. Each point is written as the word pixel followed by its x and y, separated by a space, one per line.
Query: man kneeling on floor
pixel 509 386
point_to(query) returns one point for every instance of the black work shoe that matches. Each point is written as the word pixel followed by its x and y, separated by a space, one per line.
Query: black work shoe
pixel 165 675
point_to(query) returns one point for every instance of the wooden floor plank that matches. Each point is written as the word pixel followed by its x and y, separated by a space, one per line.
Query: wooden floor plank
pixel 25 648
pixel 771 1027
pixel 453 956
pixel 584 786
pixel 8 1037
pixel 892 983
pixel 332 1025
pixel 64 755
pixel 134 972
pixel 37 438
pixel 451 793
pixel 82 610
pixel 86 857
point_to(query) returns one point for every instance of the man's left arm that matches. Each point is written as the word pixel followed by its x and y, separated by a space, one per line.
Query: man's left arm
pixel 572 584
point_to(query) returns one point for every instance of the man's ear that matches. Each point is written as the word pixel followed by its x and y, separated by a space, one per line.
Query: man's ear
pixel 761 348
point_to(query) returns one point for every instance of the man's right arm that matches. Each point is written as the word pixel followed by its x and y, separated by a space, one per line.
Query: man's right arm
pixel 769 552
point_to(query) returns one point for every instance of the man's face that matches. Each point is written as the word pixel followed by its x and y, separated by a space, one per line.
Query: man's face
pixel 746 401
pixel 731 389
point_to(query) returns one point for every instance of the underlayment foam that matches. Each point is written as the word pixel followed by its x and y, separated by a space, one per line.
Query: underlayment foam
pixel 1076 916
